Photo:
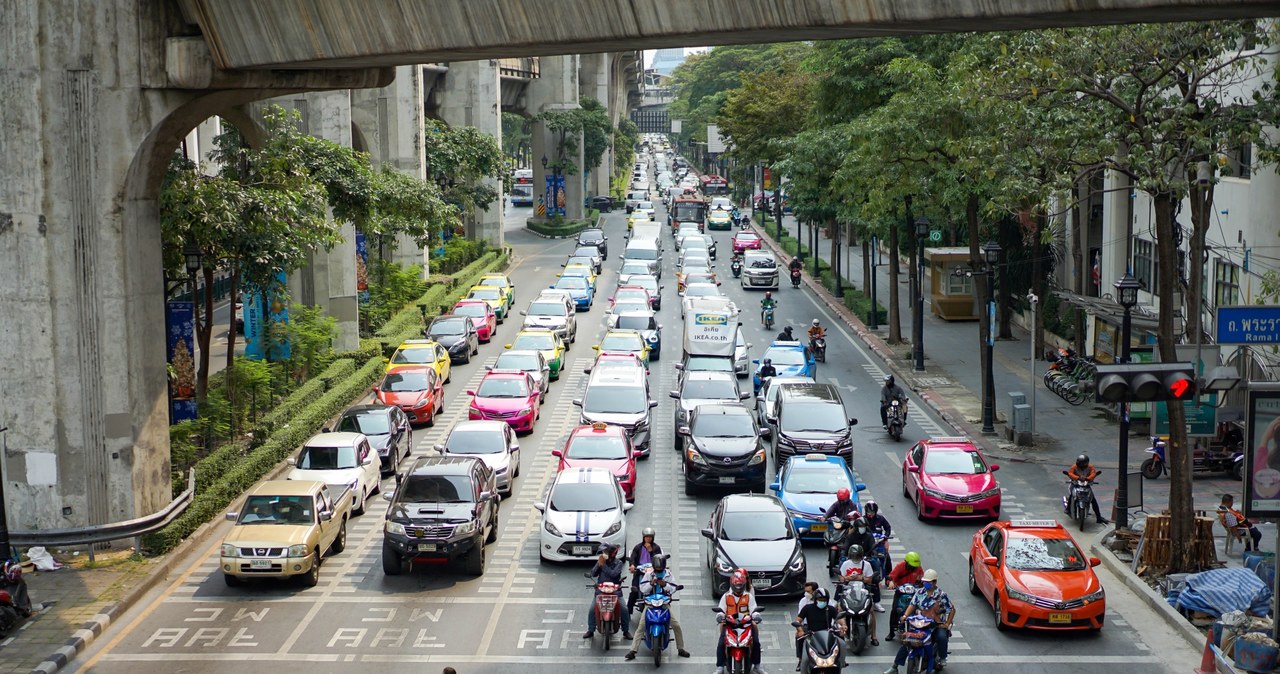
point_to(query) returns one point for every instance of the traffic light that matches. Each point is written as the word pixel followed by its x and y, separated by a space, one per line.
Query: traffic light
pixel 1145 382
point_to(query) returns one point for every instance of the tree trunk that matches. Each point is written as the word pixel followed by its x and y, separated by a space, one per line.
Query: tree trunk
pixel 835 250
pixel 204 335
pixel 1037 282
pixel 1201 198
pixel 1181 505
pixel 895 320
pixel 1078 254
pixel 228 380
pixel 976 263
pixel 1004 298
pixel 867 254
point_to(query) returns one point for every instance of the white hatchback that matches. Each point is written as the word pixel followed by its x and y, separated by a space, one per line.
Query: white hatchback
pixel 584 509
pixel 340 458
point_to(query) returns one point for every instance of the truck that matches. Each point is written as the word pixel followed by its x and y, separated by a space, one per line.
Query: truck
pixel 690 208
pixel 286 529
pixel 444 509
pixel 709 329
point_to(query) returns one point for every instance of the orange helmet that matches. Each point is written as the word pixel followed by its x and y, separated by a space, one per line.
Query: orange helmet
pixel 738 582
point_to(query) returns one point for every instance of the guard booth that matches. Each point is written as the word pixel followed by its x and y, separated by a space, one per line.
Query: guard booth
pixel 951 296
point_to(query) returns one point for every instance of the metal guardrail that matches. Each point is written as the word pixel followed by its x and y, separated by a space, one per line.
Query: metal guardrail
pixel 102 533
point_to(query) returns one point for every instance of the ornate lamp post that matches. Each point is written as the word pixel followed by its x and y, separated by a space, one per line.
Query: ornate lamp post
pixel 991 254
pixel 917 339
pixel 1127 294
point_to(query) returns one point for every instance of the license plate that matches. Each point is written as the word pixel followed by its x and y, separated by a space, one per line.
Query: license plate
pixel 259 564
pixel 581 549
pixel 818 527
pixel 761 583
pixel 726 480
pixel 964 508
pixel 426 547
pixel 1059 617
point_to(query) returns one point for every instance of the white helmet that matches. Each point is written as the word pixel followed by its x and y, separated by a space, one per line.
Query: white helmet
pixel 815 322
pixel 930 575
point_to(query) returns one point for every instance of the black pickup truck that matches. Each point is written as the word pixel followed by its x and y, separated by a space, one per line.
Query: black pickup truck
pixel 443 508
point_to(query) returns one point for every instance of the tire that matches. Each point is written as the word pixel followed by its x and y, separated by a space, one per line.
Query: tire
pixel 312 577
pixel 657 652
pixel 858 642
pixel 1237 471
pixel 999 614
pixel 655 354
pixel 340 542
pixel 473 563
pixel 431 421
pixel 1151 469
pixel 973 582
pixel 1081 514
pixel 690 489
pixel 915 666
pixel 493 532
pixel 392 564
pixel 466 360
pixel 919 511
pixel 358 508
pixel 232 581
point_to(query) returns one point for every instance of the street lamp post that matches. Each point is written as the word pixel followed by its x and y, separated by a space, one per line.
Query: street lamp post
pixel 6 550
pixel 991 253
pixel 917 339
pixel 1127 293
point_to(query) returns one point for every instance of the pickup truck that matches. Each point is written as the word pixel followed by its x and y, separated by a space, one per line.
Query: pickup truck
pixel 443 509
pixel 286 529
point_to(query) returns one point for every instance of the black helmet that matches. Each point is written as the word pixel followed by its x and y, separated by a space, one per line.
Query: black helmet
pixel 767 361
pixel 870 508
pixel 888 380
pixel 659 563
pixel 821 594
pixel 1082 461
pixel 855 552
pixel 787 329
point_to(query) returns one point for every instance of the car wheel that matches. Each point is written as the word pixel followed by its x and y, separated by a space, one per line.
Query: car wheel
pixel 392 564
pixel 465 360
pixel 473 563
pixel 999 611
pixel 358 508
pixel 973 582
pixel 431 420
pixel 493 531
pixel 919 510
pixel 340 543
pixel 232 581
pixel 516 471
pixel 690 489
pixel 312 577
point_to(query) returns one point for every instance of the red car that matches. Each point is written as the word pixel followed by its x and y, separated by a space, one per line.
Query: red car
pixel 949 477
pixel 416 389
pixel 746 241
pixel 507 395
pixel 601 446
pixel 481 315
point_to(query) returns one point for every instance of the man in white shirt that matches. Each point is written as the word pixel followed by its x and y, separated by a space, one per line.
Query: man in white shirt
pixel 857 567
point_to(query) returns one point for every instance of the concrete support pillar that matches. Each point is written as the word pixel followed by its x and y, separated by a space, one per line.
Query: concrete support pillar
pixel 331 120
pixel 594 81
pixel 555 89
pixel 472 96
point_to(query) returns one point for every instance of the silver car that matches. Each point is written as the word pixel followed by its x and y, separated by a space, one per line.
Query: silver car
pixel 530 362
pixel 699 388
pixel 767 400
pixel 759 270
pixel 741 355
pixel 553 313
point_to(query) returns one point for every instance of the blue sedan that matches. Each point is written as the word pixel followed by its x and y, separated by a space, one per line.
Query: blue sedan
pixel 790 359
pixel 580 290
pixel 808 486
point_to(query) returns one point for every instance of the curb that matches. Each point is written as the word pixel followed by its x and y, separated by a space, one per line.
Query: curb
pixel 1193 636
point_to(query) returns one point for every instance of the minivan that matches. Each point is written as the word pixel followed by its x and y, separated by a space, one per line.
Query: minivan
pixel 619 397
pixel 811 418
pixel 647 252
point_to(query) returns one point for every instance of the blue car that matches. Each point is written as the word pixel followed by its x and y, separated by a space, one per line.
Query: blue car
pixel 807 486
pixel 580 290
pixel 790 359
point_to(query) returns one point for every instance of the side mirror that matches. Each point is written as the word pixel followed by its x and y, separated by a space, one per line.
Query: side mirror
pixel 540 506
pixel 755 361
pixel 1094 561
pixel 438 448
pixel 678 366
pixel 995 467
pixel 515 446
pixel 859 487
pixel 368 460
pixel 524 313
pixel 744 395
pixel 675 394
pixel 709 534
pixel 595 347
pixel 627 506
pixel 326 515
pixel 326 429
pixel 291 461
pixel 653 404
pixel 231 517
pixel 506 346
pixel 577 402
pixel 388 494
pixel 558 453
pixel 486 495
pixel 771 418
pixel 765 432
pixel 853 421
pixel 913 469
pixel 471 392
pixel 991 562
pixel 775 486
pixel 374 388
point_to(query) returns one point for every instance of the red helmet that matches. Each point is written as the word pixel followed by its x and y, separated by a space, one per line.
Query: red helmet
pixel 842 494
pixel 5 598
pixel 738 581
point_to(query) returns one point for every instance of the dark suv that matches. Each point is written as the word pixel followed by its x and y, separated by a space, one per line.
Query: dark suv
pixel 811 418
pixel 723 448
pixel 594 236
pixel 443 508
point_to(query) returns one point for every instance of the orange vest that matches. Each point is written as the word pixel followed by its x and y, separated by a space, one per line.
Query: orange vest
pixel 735 605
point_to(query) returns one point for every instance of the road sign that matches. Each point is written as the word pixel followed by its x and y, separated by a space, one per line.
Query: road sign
pixel 1256 324
pixel 935 235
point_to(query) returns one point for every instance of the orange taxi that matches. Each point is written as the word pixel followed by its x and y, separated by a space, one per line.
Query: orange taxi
pixel 1035 576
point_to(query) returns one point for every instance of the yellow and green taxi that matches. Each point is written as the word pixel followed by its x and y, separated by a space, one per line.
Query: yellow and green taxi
pixel 419 352
pixel 504 282
pixel 495 296
pixel 624 341
pixel 638 218
pixel 545 341
pixel 582 270
pixel 720 219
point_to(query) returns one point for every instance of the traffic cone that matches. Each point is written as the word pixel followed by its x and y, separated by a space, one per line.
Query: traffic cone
pixel 1207 660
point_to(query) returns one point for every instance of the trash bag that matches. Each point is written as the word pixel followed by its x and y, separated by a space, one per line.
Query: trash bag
pixel 42 559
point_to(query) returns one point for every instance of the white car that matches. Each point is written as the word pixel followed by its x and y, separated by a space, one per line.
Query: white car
pixel 340 458
pixel 722 203
pixel 493 442
pixel 645 207
pixel 584 509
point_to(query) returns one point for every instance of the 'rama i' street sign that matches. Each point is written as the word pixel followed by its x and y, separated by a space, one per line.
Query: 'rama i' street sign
pixel 1250 324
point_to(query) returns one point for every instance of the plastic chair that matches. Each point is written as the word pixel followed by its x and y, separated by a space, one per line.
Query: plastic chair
pixel 1234 534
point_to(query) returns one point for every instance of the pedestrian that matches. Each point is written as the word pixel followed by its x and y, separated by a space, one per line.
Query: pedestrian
pixel 1236 523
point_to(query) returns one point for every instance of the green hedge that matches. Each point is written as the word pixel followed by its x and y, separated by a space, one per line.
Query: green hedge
pixel 408 323
pixel 232 482
pixel 562 228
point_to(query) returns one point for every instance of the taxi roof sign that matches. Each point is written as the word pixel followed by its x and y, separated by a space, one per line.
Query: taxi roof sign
pixel 599 426
pixel 815 456
pixel 1038 524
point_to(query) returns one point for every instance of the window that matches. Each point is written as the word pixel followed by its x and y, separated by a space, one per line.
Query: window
pixel 959 285
pixel 1239 161
pixel 1226 283
pixel 1144 263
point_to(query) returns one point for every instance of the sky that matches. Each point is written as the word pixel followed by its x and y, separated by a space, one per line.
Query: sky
pixel 648 53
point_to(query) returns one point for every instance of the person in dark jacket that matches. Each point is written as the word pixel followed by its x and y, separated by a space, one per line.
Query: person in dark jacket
pixel 608 569
pixel 643 553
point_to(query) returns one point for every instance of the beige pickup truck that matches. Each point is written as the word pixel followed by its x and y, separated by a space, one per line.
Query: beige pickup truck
pixel 286 529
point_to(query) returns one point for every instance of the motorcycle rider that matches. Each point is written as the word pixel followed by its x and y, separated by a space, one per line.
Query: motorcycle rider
pixel 767 303
pixel 1083 470
pixel 935 603
pixel 643 553
pixel 858 567
pixel 608 569
pixel 786 335
pixel 820 616
pixel 796 265
pixel 878 524
pixel 842 506
pixel 658 579
pixel 805 599
pixel 907 572
pixel 816 332
pixel 889 393
pixel 766 370
pixel 738 601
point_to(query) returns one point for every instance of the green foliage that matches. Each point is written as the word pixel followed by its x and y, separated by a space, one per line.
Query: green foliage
pixel 309 333
pixel 625 138
pixel 588 124
pixel 517 139
pixel 703 81
pixel 458 253
pixel 395 287
pixel 558 227
pixel 769 107
pixel 466 156
pixel 405 205
pixel 408 323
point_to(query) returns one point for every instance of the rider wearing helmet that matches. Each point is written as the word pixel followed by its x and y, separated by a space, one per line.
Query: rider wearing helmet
pixel 740 602
pixel 843 506
pixel 608 569
pixel 889 393
pixel 643 553
pixel 815 331
pixel 858 567
pixel 786 335
pixel 766 370
pixel 767 303
pixel 935 603
pixel 907 572
pixel 1083 470
pixel 12 582
pixel 820 616
pixel 658 579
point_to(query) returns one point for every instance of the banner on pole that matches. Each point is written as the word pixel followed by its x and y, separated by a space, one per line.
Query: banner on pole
pixel 362 267
pixel 555 197
pixel 180 324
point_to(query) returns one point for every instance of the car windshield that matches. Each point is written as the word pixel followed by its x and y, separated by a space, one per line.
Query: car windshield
pixel 502 387
pixel 746 238
pixel 708 364
pixel 592 497
pixel 709 389
pixel 636 323
pixel 822 480
pixel 635 268
pixel 754 525
pixel 548 309
pixel 1032 553
pixel 649 283
pixel 572 283
pixel 723 426
pixel 693 242
pixel 419 356
pixel 277 510
pixel 495 281
pixel 475 442
pixel 405 382
pixel 814 417
pixel 473 310
pixel 450 327
pixel 762 262
pixel 688 212
pixel 699 277
pixel 517 361
pixel 486 293
pixel 645 205
pixel 785 356
pixel 615 399
pixel 631 294
pixel 587 252
pixel 954 463
pixel 641 253
pixel 327 458
pixel 580 260
pixel 621 343
pixel 590 235
pixel 596 447
pixel 369 423
pixel 543 342
pixel 435 489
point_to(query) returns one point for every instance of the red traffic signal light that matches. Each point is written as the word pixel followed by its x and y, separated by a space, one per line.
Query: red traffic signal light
pixel 1145 382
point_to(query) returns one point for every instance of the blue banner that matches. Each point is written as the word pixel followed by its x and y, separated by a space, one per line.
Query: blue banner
pixel 555 195
pixel 180 328
pixel 362 267
pixel 255 325
pixel 261 311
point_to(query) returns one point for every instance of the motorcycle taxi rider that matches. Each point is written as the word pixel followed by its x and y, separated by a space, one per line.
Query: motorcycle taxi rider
pixel 741 602
pixel 608 569
pixel 1083 470
pixel 658 579
pixel 889 393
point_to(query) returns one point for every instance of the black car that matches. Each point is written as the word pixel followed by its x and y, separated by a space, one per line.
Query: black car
pixel 810 418
pixel 387 428
pixel 595 237
pixel 457 334
pixel 603 203
pixel 723 448
pixel 755 533
pixel 443 509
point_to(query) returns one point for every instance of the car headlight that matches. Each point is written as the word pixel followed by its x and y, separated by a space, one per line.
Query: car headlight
pixel 695 456
pixel 551 528
pixel 229 550
pixel 934 493
pixel 394 528
pixel 299 550
pixel 465 528
pixel 796 565
pixel 757 459
pixel 989 493
pixel 1096 596
pixel 527 410
pixel 615 528
pixel 723 567
pixel 1021 596
pixel 421 403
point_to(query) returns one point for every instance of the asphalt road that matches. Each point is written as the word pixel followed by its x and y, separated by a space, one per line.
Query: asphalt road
pixel 525 616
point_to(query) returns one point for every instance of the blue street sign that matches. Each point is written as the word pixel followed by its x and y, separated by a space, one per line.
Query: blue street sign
pixel 1255 324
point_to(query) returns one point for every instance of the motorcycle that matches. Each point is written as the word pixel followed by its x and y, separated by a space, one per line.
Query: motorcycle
pixel 819 347
pixel 896 419
pixel 835 538
pixel 917 636
pixel 856 607
pixel 768 318
pixel 15 602
pixel 1079 499
pixel 902 595
pixel 608 619
pixel 879 555
pixel 738 641
pixel 657 620
pixel 821 651
pixel 795 278
pixel 1228 460
pixel 736 266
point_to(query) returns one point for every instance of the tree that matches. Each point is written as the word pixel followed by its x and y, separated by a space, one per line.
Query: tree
pixel 703 82
pixel 517 138
pixel 770 107
pixel 462 158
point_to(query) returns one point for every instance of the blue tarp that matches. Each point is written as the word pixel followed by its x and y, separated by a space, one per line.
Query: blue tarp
pixel 1221 590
